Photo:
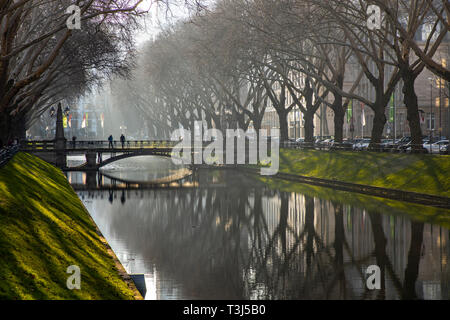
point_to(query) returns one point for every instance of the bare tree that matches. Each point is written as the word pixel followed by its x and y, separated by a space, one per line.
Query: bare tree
pixel 36 46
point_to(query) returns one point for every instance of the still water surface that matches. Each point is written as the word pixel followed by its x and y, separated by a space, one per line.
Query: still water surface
pixel 229 236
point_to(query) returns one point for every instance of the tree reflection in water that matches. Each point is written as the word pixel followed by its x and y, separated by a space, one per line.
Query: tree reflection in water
pixel 234 238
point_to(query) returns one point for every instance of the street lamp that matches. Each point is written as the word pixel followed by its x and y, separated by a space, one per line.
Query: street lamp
pixel 447 105
pixel 440 108
pixel 431 110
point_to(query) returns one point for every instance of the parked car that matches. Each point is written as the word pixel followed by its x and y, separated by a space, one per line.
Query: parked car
pixel 355 142
pixel 331 143
pixel 404 144
pixel 392 145
pixel 386 144
pixel 345 145
pixel 426 142
pixel 328 142
pixel 362 145
pixel 435 147
pixel 444 149
pixel 320 140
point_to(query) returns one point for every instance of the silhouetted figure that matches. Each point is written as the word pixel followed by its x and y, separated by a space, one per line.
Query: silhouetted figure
pixel 111 196
pixel 122 140
pixel 122 197
pixel 110 139
pixel 74 140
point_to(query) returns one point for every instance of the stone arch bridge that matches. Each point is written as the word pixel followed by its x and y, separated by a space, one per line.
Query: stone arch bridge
pixel 97 153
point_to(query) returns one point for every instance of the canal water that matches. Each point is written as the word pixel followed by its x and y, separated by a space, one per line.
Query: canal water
pixel 222 234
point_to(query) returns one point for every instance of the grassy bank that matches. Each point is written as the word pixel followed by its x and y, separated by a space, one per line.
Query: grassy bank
pixel 44 228
pixel 409 172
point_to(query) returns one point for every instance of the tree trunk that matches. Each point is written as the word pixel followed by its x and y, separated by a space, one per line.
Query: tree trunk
pixel 217 122
pixel 414 257
pixel 380 248
pixel 412 109
pixel 339 240
pixel 209 121
pixel 339 117
pixel 284 130
pixel 4 134
pixel 282 226
pixel 309 228
pixel 379 122
pixel 18 128
pixel 309 127
pixel 257 123
pixel 9 128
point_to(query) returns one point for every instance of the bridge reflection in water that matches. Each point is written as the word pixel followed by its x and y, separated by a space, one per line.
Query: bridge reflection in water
pixel 230 237
pixel 146 172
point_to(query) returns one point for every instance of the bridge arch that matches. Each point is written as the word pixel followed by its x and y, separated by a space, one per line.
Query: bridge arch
pixel 140 153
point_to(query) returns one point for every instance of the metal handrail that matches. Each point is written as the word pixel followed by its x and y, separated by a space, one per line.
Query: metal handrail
pixel 97 144
pixel 373 147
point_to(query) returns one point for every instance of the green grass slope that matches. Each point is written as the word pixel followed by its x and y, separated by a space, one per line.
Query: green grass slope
pixel 44 228
pixel 409 172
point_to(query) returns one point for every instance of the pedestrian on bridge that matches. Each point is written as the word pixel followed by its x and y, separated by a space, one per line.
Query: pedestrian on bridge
pixel 110 139
pixel 122 139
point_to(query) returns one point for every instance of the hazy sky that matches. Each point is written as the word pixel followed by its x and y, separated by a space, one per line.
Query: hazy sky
pixel 159 15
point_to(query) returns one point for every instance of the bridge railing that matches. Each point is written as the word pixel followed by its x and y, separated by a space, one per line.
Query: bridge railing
pixel 49 145
pixel 135 144
pixel 44 145
pixel 380 147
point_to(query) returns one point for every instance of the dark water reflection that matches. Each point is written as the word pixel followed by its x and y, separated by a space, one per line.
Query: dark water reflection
pixel 234 238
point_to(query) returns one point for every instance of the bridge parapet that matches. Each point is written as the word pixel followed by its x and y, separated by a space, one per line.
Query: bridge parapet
pixel 135 144
pixel 49 145
pixel 44 145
